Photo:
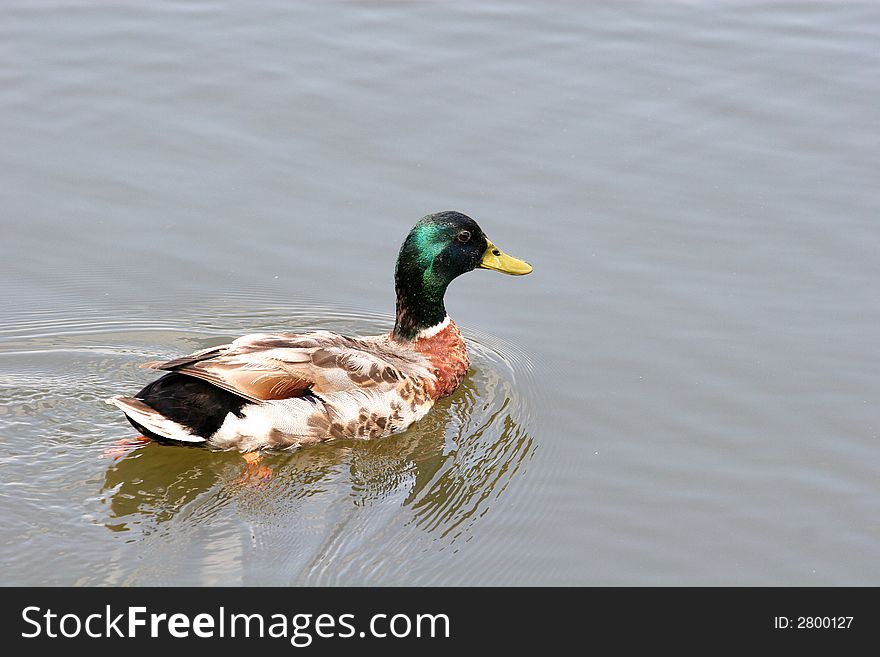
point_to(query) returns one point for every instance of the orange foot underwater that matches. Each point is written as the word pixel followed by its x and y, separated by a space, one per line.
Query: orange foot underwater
pixel 124 446
pixel 254 468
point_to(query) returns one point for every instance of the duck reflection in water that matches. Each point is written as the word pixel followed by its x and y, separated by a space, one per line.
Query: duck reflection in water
pixel 448 469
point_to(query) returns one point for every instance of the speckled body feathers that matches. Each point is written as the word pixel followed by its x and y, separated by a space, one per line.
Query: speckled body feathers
pixel 305 388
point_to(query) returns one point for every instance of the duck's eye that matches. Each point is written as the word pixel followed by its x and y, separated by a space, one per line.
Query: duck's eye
pixel 464 237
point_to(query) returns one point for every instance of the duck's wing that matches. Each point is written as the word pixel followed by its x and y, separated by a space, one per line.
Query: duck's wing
pixel 266 366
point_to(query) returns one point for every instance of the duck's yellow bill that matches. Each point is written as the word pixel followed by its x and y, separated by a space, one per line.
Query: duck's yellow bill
pixel 496 260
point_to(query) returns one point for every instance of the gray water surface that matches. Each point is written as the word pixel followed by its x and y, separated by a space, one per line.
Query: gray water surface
pixel 685 391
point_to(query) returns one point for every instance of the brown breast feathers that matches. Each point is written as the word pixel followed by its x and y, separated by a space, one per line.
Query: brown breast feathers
pixel 448 356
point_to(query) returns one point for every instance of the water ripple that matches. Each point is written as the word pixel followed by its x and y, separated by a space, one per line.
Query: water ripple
pixel 322 510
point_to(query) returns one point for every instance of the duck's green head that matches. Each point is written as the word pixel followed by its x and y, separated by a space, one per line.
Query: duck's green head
pixel 439 248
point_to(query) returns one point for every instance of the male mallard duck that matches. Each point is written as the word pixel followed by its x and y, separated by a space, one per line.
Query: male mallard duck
pixel 285 390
